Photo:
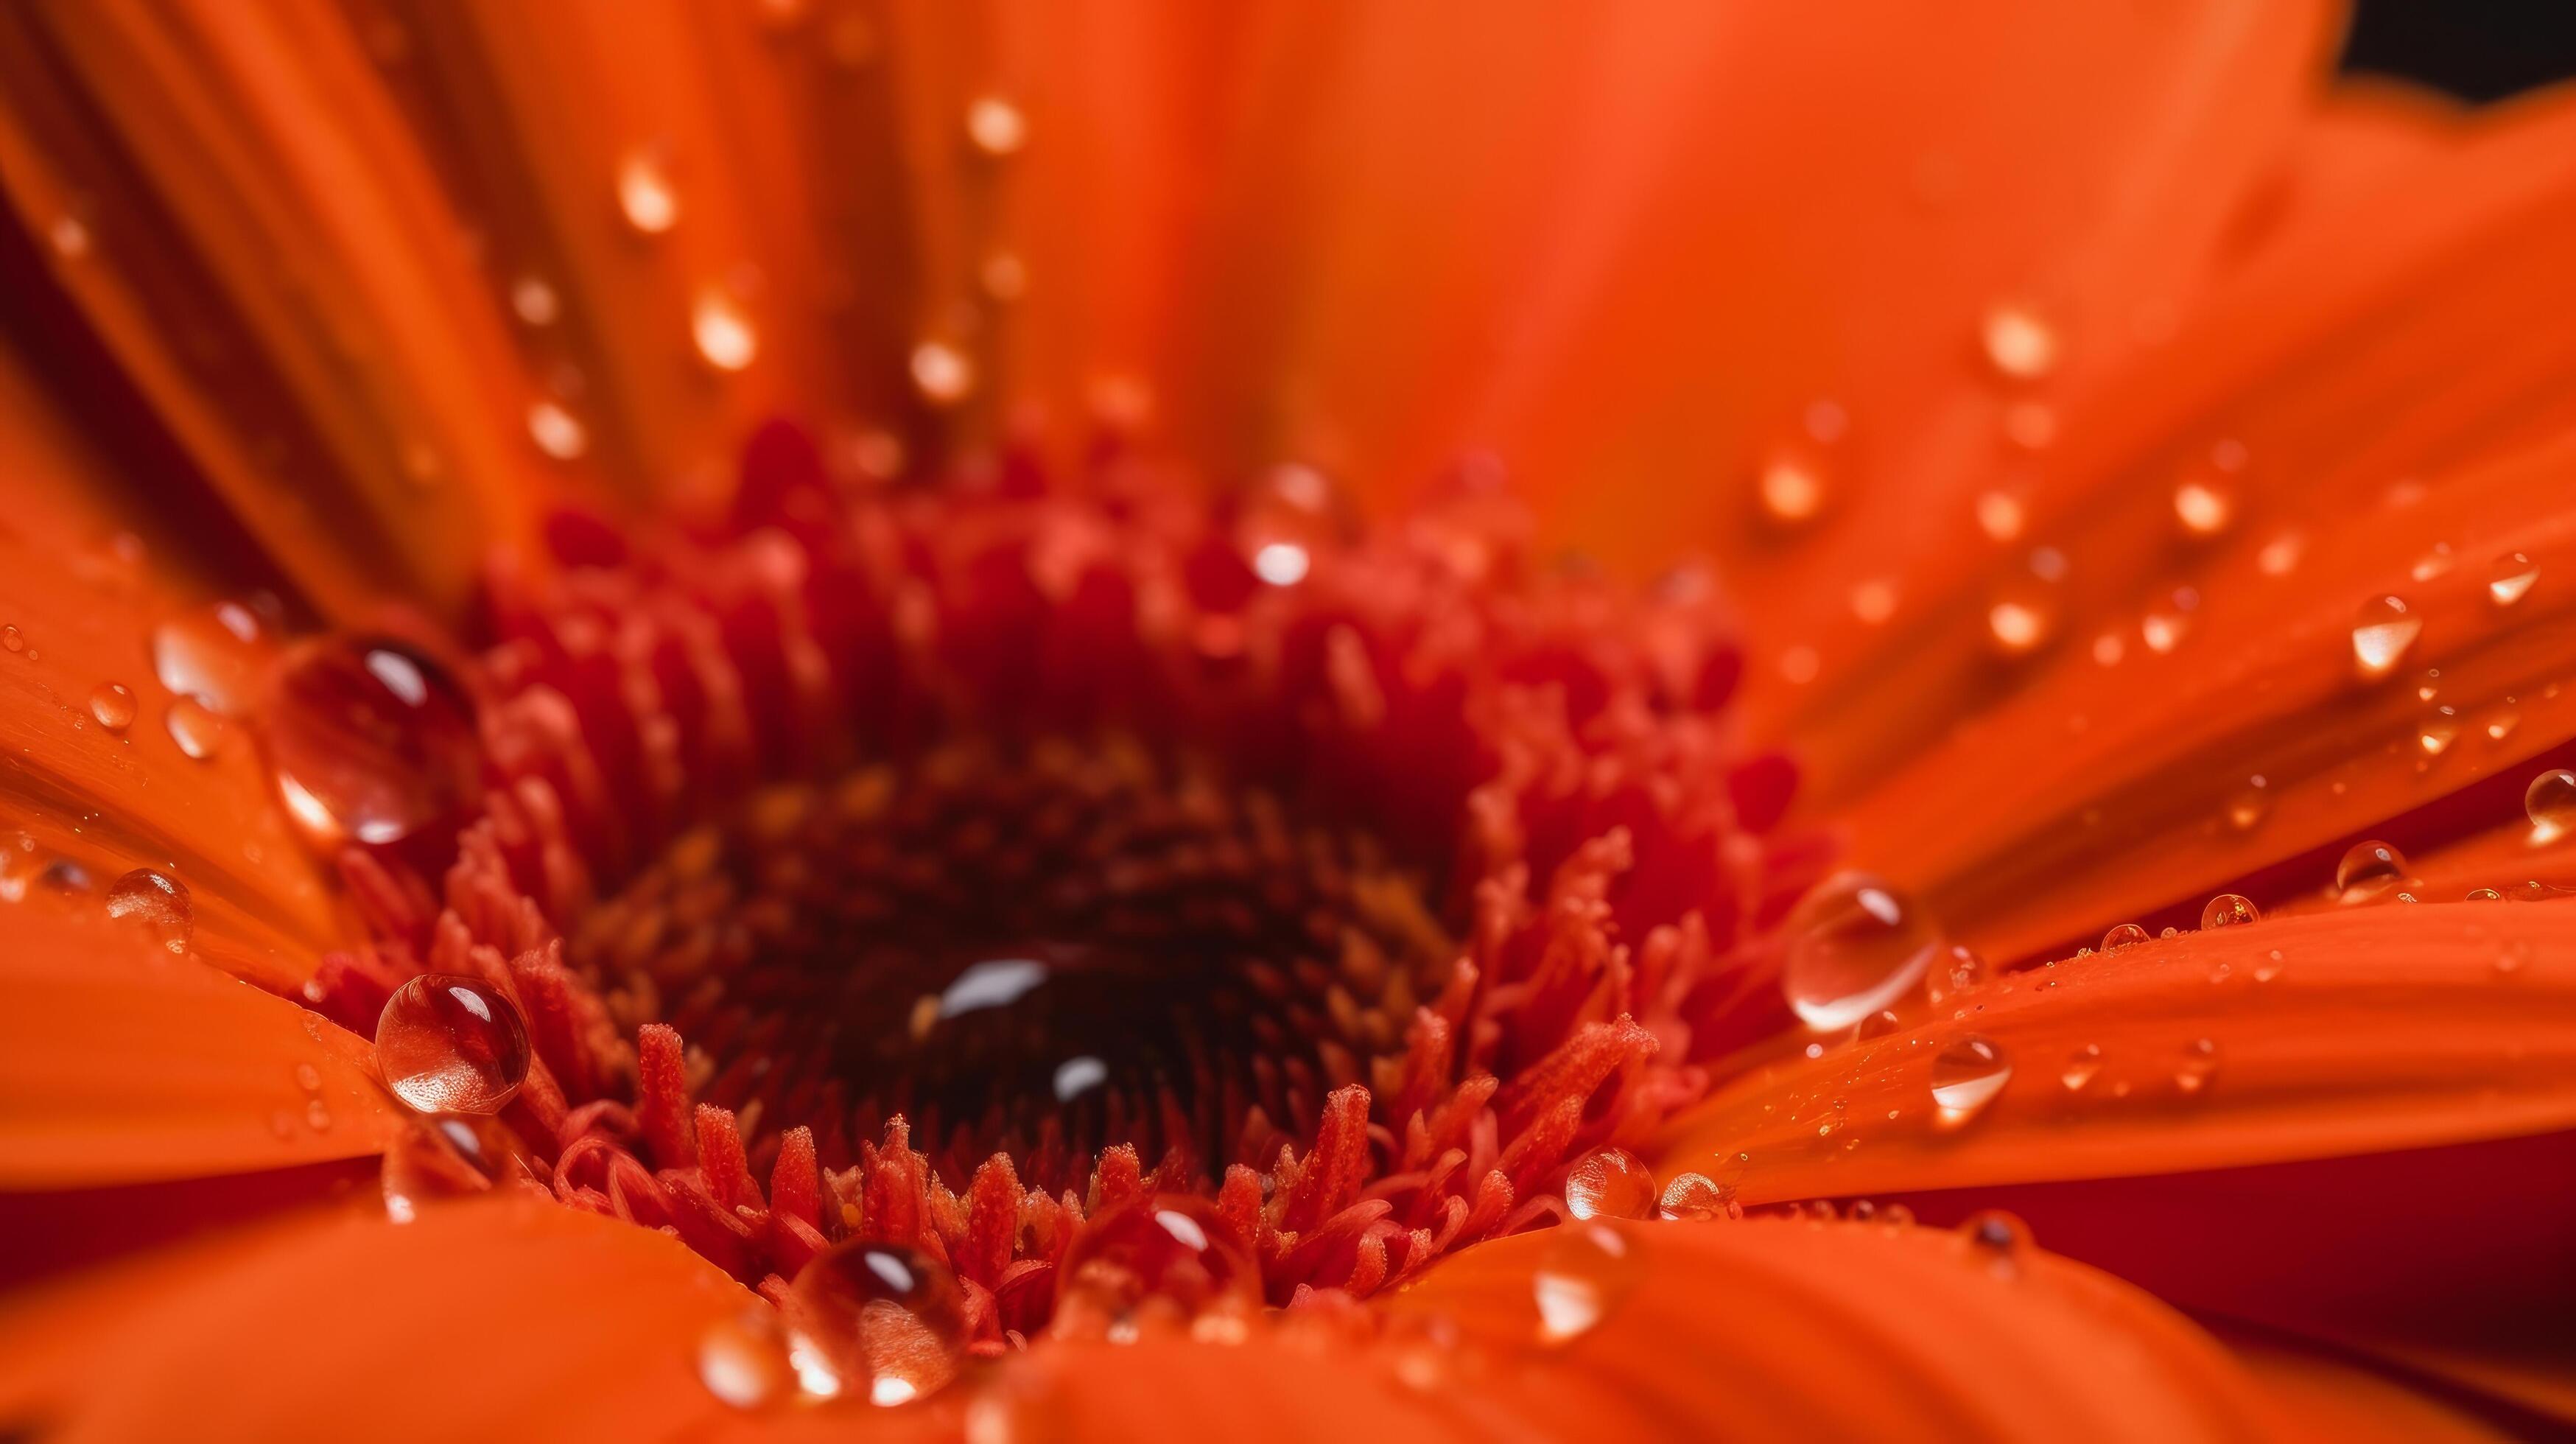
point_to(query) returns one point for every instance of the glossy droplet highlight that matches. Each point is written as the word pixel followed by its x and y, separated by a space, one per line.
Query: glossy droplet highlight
pixel 371 740
pixel 557 432
pixel 535 301
pixel 2123 935
pixel 2229 910
pixel 156 902
pixel 1999 1239
pixel 876 1322
pixel 743 1360
pixel 1587 1270
pixel 2369 870
pixel 215 655
pixel 1696 1197
pixel 451 1044
pixel 1966 1076
pixel 2550 803
pixel 194 728
pixel 2204 508
pixel 2199 1062
pixel 2081 1066
pixel 722 332
pixel 996 126
pixel 2019 342
pixel 2382 630
pixel 1611 1183
pixel 2510 577
pixel 1792 490
pixel 942 373
pixel 1854 947
pixel 644 193
pixel 113 705
pixel 1173 1252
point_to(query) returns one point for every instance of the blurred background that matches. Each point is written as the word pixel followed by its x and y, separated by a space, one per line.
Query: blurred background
pixel 2475 49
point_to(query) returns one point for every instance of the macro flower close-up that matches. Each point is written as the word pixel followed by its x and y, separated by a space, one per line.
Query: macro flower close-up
pixel 1058 720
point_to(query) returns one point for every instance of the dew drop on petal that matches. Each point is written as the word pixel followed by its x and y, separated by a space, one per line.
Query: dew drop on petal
pixel 2203 507
pixel 743 1360
pixel 2550 803
pixel 2369 870
pixel 1999 515
pixel 722 332
pixel 1698 1197
pixel 875 1321
pixel 371 740
pixel 2018 624
pixel 194 727
pixel 1610 1183
pixel 2483 894
pixel 2382 630
pixel 2199 1061
pixel 112 703
pixel 1792 488
pixel 2229 910
pixel 2019 342
pixel 2510 577
pixel 1966 1076
pixel 942 373
pixel 2123 936
pixel 1854 946
pixel 2437 731
pixel 155 901
pixel 644 192
pixel 2249 805
pixel 1175 1249
pixel 996 126
pixel 557 432
pixel 1587 1270
pixel 214 654
pixel 2080 1067
pixel 1955 969
pixel 446 1043
pixel 535 302
pixel 1998 1238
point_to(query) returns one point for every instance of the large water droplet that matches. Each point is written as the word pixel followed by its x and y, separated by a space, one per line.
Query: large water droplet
pixel 1610 1183
pixel 2510 577
pixel 1854 946
pixel 2019 342
pixel 877 1322
pixel 371 740
pixel 112 703
pixel 743 1360
pixel 1585 1273
pixel 1966 1076
pixel 195 728
pixel 644 192
pixel 2123 935
pixel 451 1044
pixel 2369 870
pixel 2550 803
pixel 1173 1253
pixel 722 332
pixel 2382 630
pixel 154 901
pixel 2229 910
pixel 1698 1197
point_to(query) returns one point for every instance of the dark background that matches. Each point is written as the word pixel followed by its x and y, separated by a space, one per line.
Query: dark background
pixel 2475 49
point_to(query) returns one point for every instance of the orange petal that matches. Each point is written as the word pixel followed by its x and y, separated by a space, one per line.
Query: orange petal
pixel 121 1063
pixel 2319 1395
pixel 2360 1031
pixel 1844 1330
pixel 508 1316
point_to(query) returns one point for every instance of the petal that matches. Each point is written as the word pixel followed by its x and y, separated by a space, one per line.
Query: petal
pixel 2359 1031
pixel 1791 1328
pixel 120 1063
pixel 510 1316
pixel 2322 1396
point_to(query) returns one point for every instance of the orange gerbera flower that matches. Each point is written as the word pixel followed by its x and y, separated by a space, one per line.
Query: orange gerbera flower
pixel 753 718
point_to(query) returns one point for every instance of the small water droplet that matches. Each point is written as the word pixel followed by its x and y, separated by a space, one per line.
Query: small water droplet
pixel 1170 1252
pixel 1854 947
pixel 942 373
pixel 446 1043
pixel 1955 969
pixel 1997 1237
pixel 2550 803
pixel 557 432
pixel 1610 1183
pixel 2204 507
pixel 2019 624
pixel 996 126
pixel 2483 894
pixel 2435 733
pixel 2433 564
pixel 1792 488
pixel 1966 1076
pixel 2019 342
pixel 2229 910
pixel 2280 556
pixel 1587 1270
pixel 1281 564
pixel 1696 1197
pixel 70 236
pixel 644 192
pixel 2000 515
pixel 2369 870
pixel 2199 1061
pixel 2499 723
pixel 2382 630
pixel 155 901
pixel 113 704
pixel 2250 804
pixel 371 739
pixel 2080 1067
pixel 2515 953
pixel 743 1360
pixel 1874 601
pixel 535 302
pixel 875 1321
pixel 196 730
pixel 308 1077
pixel 2123 936
pixel 723 333
pixel 2509 577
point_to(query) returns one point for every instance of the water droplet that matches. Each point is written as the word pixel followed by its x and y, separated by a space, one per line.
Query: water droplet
pixel 12 639
pixel 2435 733
pixel 1966 1076
pixel 2510 577
pixel 2433 564
pixel 1610 1183
pixel 1955 969
pixel 1174 1253
pixel 743 1360
pixel 2483 894
pixel 723 333
pixel 942 373
pixel 1697 1197
pixel 535 301
pixel 876 1321
pixel 2249 805
pixel 1281 564
pixel 2515 953
pixel 2382 630
pixel 2229 910
pixel 2163 631
pixel 1997 1237
pixel 196 730
pixel 155 901
pixel 2080 1067
pixel 372 740
pixel 2199 1061
pixel 2499 723
pixel 996 126
pixel 644 192
pixel 1793 489
pixel 1854 947
pixel 2369 870
pixel 2018 625
pixel 2019 342
pixel 2000 515
pixel 1587 1270
pixel 308 1077
pixel 112 703
pixel 2550 803
pixel 2204 507
pixel 451 1044
pixel 2122 936
pixel 557 432
pixel 1874 601
pixel 214 654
